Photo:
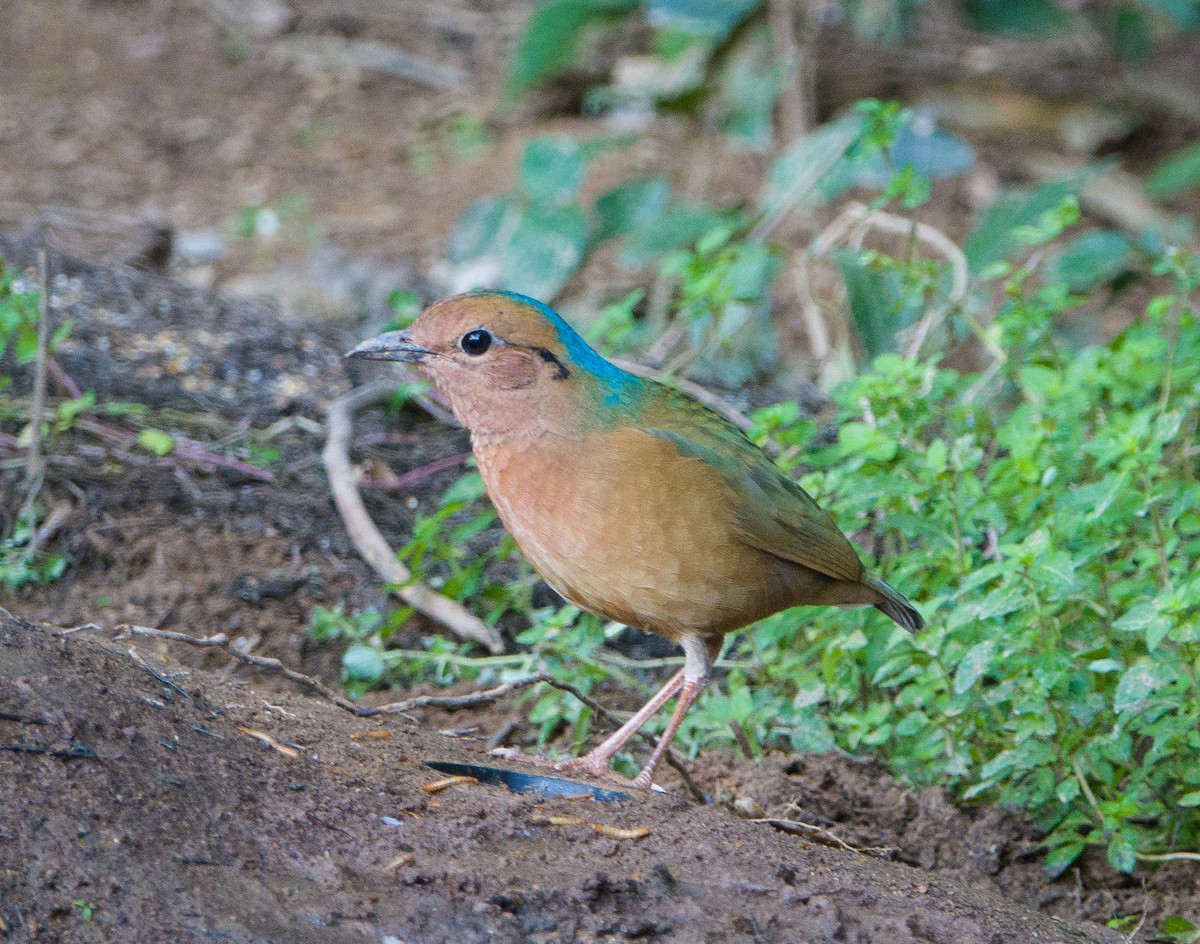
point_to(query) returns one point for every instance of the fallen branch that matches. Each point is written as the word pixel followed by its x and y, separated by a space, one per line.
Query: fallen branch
pixel 367 538
pixel 853 223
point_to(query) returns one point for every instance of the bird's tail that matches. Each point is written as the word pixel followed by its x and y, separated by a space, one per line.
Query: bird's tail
pixel 894 605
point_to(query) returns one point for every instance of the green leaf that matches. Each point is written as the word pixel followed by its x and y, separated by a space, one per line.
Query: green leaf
pixel 1176 173
pixel 467 489
pixel 1179 927
pixel 747 86
pixel 1122 852
pixel 545 251
pixel 679 226
pixel 922 149
pixel 1058 860
pixel 551 36
pixel 552 170
pixel 1128 31
pixel 876 300
pixel 478 228
pixel 1032 18
pixel 1090 261
pixel 156 441
pixel 1183 12
pixel 623 209
pixel 1139 683
pixel 1190 799
pixel 974 664
pixel 363 664
pixel 711 19
pixel 794 177
pixel 996 234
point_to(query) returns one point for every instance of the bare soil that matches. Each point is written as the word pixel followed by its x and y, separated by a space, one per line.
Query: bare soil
pixel 155 808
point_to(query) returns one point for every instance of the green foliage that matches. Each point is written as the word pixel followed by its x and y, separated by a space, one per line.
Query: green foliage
pixel 1029 18
pixel 1179 929
pixel 18 317
pixel 19 566
pixel 533 239
pixel 1087 262
pixel 552 35
pixel 1176 173
pixel 723 285
pixel 1049 536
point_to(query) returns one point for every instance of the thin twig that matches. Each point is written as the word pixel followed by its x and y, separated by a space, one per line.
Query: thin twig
pixel 65 380
pixel 181 449
pixel 1168 856
pixel 222 641
pixel 35 470
pixel 421 473
pixel 143 664
pixel 366 536
pixel 823 836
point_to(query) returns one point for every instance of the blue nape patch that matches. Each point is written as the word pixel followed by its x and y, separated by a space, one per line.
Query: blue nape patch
pixel 580 352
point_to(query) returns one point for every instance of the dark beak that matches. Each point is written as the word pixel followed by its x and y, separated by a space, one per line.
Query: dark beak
pixel 392 346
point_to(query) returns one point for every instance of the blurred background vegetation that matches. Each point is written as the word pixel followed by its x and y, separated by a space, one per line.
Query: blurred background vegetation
pixel 938 257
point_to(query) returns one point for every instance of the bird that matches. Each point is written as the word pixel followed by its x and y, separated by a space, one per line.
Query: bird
pixel 630 498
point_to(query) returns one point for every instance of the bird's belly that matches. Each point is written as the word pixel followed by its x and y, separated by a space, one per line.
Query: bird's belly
pixel 634 542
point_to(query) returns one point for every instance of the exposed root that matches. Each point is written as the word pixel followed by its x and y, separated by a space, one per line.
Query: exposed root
pixel 367 538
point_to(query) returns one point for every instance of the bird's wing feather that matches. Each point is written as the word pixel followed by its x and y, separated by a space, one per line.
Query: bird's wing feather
pixel 772 512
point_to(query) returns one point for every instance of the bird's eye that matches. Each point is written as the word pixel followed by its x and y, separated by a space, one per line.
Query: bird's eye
pixel 476 342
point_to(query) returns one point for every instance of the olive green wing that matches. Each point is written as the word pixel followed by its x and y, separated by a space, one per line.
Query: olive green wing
pixel 772 512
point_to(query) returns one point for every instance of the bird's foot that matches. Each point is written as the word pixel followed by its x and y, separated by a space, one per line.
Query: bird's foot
pixel 594 767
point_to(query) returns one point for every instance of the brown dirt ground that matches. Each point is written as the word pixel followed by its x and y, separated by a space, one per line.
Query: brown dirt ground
pixel 176 824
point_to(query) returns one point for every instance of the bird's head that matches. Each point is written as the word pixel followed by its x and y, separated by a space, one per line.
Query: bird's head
pixel 504 360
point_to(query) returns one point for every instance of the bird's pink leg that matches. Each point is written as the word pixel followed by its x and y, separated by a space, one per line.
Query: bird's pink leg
pixel 596 761
pixel 695 674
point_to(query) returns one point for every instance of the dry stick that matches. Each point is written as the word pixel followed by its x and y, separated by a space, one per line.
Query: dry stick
pixel 795 96
pixel 859 218
pixel 35 471
pixel 366 536
pixel 823 836
pixel 65 380
pixel 420 474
